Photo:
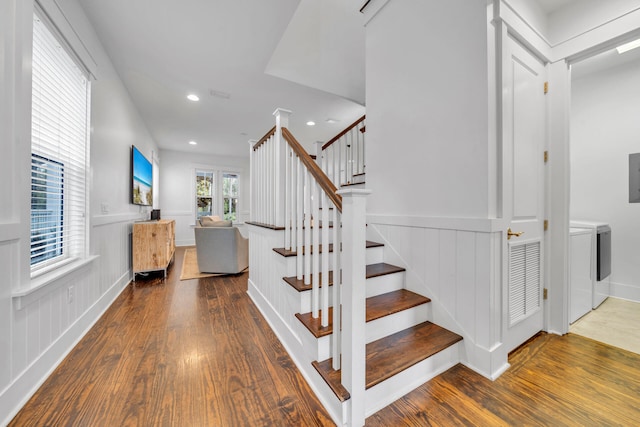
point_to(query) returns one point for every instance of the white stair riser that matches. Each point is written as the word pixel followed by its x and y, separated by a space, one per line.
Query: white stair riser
pixel 316 348
pixel 358 179
pixel 375 286
pixel 388 391
pixel 291 263
pixel 305 300
pixel 376 329
pixel 383 284
pixel 396 322
pixel 355 185
pixel 373 256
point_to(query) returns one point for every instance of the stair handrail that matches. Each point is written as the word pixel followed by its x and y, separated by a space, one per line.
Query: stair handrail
pixel 323 180
pixel 342 158
pixel 343 132
pixel 265 138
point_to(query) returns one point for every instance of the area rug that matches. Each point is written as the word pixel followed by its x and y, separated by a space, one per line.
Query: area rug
pixel 190 268
pixel 616 322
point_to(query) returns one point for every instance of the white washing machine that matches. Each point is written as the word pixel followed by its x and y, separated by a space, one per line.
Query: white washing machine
pixel 580 274
pixel 600 268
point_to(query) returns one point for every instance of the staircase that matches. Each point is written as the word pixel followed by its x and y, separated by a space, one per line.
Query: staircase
pixel 359 368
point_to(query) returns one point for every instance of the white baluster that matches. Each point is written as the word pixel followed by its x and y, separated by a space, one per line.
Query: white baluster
pixel 325 260
pixel 315 257
pixel 352 143
pixel 307 228
pixel 260 184
pixel 299 218
pixel 340 162
pixel 337 301
pixel 287 198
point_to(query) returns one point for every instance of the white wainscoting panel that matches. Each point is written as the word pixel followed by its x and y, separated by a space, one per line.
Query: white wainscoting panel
pixel 50 323
pixel 458 270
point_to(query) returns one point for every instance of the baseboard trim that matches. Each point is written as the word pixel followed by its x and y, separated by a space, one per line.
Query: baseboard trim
pixel 18 393
pixel 310 375
pixel 624 291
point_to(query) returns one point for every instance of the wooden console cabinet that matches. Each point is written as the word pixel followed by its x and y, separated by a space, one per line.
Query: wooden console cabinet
pixel 154 245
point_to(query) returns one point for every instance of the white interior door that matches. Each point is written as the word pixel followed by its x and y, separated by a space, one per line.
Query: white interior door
pixel 524 145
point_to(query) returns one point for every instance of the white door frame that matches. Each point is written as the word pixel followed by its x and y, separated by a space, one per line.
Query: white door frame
pixel 595 40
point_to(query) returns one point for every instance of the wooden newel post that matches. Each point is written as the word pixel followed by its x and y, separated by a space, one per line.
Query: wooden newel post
pixel 282 121
pixel 353 299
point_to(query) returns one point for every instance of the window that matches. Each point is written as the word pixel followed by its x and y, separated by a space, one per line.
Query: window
pixel 59 128
pixel 204 193
pixel 217 193
pixel 230 196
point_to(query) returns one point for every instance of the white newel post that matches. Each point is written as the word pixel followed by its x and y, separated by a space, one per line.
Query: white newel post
pixel 282 120
pixel 353 300
pixel 252 177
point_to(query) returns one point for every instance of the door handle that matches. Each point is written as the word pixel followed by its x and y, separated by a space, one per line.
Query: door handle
pixel 511 233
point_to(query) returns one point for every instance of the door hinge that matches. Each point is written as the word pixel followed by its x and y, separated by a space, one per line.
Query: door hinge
pixel 546 156
pixel 546 224
pixel 545 294
pixel 546 87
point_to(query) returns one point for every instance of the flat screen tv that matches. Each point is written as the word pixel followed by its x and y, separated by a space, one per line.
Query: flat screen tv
pixel 141 178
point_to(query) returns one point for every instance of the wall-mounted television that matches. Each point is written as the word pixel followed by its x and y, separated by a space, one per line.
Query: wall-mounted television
pixel 141 179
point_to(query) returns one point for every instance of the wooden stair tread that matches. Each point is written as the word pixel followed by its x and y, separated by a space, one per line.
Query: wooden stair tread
pixel 263 225
pixel 373 270
pixel 391 355
pixel 349 184
pixel 299 285
pixel 332 378
pixel 393 302
pixel 314 324
pixel 376 307
pixel 289 253
pixel 381 269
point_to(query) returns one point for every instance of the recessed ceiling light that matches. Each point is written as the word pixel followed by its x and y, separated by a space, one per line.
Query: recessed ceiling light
pixel 193 97
pixel 311 123
pixel 193 143
pixel 330 120
pixel 628 46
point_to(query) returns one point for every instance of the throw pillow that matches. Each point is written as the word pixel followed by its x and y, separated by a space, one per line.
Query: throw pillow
pixel 206 221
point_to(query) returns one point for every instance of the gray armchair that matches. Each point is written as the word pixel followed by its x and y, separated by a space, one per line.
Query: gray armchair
pixel 221 250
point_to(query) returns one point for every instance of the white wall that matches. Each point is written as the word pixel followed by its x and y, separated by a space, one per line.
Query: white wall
pixel 177 190
pixel 604 131
pixel 427 109
pixel 37 330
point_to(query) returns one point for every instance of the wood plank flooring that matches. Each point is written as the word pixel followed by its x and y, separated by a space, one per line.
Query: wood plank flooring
pixel 553 381
pixel 198 353
pixel 177 353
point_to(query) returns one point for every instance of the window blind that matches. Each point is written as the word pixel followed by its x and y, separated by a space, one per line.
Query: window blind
pixel 59 132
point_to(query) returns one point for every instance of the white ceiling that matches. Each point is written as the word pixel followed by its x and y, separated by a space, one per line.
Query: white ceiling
pixel 165 49
pixel 550 6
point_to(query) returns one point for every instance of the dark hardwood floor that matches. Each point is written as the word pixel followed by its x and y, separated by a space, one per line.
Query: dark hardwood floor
pixel 177 353
pixel 198 353
pixel 553 381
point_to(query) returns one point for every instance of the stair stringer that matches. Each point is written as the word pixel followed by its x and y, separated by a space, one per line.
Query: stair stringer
pixel 488 358
pixel 269 293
